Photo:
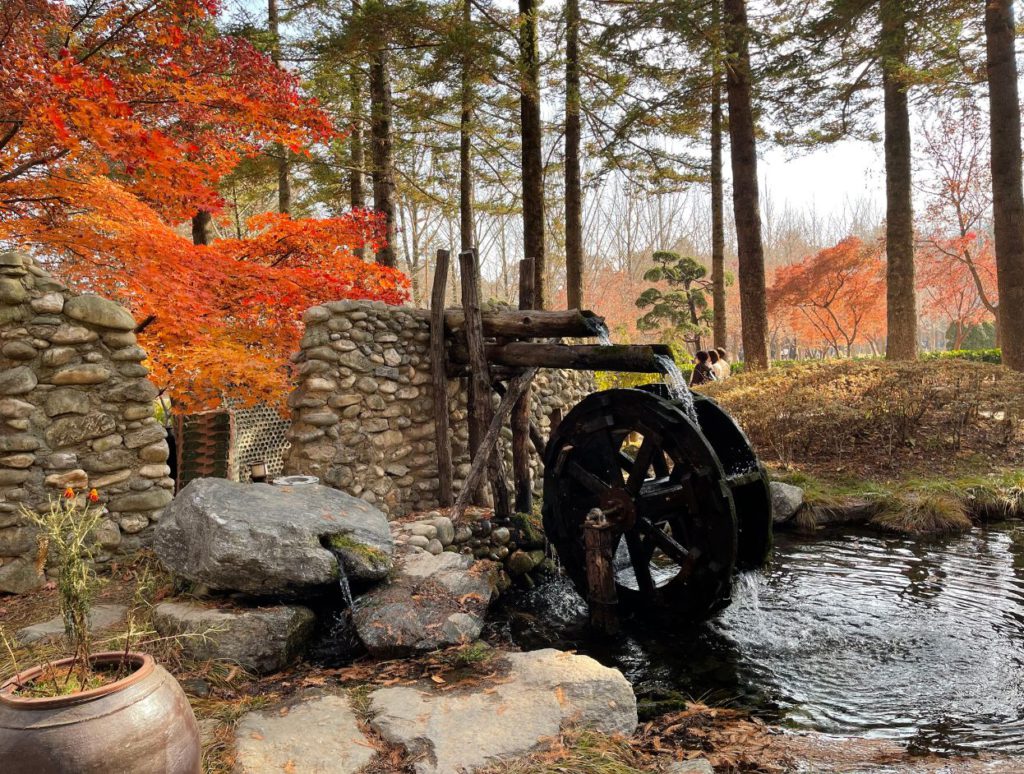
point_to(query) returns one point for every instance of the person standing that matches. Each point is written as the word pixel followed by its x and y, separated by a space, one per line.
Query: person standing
pixel 723 370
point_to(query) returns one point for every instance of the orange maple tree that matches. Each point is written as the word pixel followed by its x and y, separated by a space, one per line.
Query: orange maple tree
pixel 836 297
pixel 118 119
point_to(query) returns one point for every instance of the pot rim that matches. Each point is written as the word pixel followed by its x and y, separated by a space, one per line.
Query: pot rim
pixel 144 666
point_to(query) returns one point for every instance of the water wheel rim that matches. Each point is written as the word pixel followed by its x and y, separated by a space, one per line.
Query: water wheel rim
pixel 584 454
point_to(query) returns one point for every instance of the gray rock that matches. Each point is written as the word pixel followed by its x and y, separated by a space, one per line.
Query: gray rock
pixel 149 500
pixel 17 381
pixel 445 529
pixel 69 431
pixel 431 601
pixel 259 639
pixel 66 401
pixel 18 350
pixel 14 408
pixel 696 766
pixel 543 691
pixel 263 539
pixel 19 576
pixel 87 373
pixel 318 734
pixel 786 501
pixel 58 356
pixel 100 617
pixel 99 311
pixel 72 334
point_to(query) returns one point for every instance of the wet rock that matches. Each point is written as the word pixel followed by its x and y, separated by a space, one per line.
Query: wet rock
pixel 100 617
pixel 543 691
pixel 259 639
pixel 431 601
pixel 315 735
pixel 786 501
pixel 263 539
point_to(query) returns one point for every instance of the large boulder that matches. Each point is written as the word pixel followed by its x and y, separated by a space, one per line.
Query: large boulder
pixel 259 639
pixel 541 692
pixel 431 601
pixel 268 540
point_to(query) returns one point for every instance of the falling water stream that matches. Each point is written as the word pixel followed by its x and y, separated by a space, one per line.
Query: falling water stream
pixel 674 379
pixel 851 634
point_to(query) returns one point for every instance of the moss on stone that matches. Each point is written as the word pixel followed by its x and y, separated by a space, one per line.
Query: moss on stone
pixel 341 542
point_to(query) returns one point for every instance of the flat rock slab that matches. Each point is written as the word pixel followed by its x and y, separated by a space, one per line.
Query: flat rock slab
pixel 544 691
pixel 259 639
pixel 269 540
pixel 100 617
pixel 431 602
pixel 316 735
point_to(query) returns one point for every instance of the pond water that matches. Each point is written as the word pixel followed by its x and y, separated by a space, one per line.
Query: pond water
pixel 853 634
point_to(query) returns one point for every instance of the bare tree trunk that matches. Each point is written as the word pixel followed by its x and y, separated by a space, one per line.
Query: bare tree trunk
pixel 356 187
pixel 573 185
pixel 1007 195
pixel 901 314
pixel 467 234
pixel 745 198
pixel 383 162
pixel 201 228
pixel 284 184
pixel 721 327
pixel 533 166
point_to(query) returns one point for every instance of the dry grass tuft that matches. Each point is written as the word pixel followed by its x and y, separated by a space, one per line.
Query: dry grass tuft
pixel 922 514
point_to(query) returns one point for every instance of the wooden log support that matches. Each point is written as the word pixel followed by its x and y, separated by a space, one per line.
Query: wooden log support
pixel 489 443
pixel 480 411
pixel 439 379
pixel 581 357
pixel 526 323
pixel 521 410
pixel 602 598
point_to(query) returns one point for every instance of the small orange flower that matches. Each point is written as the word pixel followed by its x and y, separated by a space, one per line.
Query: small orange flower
pixel 69 493
pixel 94 496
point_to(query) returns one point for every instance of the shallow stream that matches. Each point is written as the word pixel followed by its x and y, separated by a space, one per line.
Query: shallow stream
pixel 852 634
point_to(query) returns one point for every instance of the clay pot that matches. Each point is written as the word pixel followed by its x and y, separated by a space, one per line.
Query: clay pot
pixel 142 723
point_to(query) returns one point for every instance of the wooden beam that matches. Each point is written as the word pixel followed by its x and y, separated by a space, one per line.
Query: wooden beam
pixel 635 358
pixel 439 379
pixel 489 443
pixel 480 411
pixel 531 323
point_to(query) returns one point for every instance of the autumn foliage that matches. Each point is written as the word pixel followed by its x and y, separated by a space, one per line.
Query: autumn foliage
pixel 118 119
pixel 835 299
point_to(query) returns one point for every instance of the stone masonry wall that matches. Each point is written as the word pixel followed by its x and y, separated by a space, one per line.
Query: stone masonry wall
pixel 76 409
pixel 362 410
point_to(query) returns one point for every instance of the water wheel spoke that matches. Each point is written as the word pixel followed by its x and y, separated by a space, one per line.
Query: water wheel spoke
pixel 640 559
pixel 613 453
pixel 663 498
pixel 668 545
pixel 638 469
pixel 589 480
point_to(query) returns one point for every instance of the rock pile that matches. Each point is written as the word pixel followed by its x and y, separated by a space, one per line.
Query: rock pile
pixel 363 408
pixel 519 547
pixel 76 409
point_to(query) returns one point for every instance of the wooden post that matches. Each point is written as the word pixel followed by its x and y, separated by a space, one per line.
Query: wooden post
pixel 486 454
pixel 480 412
pixel 521 411
pixel 439 378
pixel 602 598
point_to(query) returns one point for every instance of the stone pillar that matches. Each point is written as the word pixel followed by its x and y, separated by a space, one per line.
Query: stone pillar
pixel 76 409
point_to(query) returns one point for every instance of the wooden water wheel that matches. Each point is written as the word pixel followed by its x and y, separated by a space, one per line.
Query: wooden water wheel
pixel 638 458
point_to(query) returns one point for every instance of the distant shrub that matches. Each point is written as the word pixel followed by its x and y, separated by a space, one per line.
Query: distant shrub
pixel 976 355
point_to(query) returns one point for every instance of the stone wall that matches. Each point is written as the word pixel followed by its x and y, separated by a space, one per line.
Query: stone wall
pixel 362 410
pixel 76 409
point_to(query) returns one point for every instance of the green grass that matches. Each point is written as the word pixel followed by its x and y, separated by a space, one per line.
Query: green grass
pixel 916 505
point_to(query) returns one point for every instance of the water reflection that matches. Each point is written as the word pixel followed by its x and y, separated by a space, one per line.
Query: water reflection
pixel 852 634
